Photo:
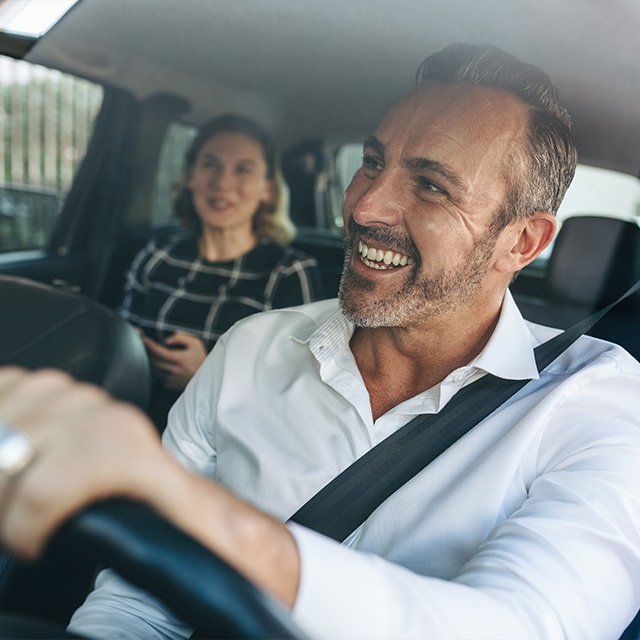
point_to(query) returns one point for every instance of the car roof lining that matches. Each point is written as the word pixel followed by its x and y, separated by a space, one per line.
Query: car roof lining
pixel 326 68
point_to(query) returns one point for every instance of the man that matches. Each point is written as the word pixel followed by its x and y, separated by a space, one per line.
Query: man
pixel 526 527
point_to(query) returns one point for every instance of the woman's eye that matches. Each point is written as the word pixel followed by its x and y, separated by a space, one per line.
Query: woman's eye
pixel 244 169
pixel 369 162
pixel 209 165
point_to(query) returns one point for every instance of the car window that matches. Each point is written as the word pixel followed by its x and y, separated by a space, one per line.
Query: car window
pixel 46 120
pixel 593 190
pixel 177 139
pixel 600 192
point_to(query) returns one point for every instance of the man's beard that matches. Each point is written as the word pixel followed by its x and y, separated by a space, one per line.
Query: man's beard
pixel 421 297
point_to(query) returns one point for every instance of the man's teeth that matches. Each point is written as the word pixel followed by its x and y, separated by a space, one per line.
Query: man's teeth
pixel 381 259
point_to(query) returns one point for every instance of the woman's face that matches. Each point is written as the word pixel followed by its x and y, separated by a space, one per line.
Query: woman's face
pixel 229 181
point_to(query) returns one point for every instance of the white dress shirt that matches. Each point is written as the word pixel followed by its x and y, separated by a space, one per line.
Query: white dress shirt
pixel 527 527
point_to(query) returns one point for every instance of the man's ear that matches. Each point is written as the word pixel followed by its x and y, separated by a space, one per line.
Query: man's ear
pixel 525 240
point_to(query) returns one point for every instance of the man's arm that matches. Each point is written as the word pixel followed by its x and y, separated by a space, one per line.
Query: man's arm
pixel 566 563
pixel 89 447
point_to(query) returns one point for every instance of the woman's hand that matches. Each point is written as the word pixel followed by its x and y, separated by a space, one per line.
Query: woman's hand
pixel 86 447
pixel 176 366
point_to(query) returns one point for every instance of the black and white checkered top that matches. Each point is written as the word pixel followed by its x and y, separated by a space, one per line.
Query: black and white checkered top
pixel 170 287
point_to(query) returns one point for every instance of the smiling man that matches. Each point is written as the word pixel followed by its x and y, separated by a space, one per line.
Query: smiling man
pixel 431 193
pixel 529 526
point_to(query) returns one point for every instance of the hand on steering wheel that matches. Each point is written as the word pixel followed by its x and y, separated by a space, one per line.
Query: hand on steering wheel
pixel 88 447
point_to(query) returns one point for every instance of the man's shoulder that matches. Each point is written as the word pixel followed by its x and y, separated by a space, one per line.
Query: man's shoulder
pixel 586 354
pixel 293 322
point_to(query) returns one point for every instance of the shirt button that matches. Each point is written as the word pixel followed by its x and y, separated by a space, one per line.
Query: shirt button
pixel 458 377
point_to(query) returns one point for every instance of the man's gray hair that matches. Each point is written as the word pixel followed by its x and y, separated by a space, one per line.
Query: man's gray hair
pixel 540 170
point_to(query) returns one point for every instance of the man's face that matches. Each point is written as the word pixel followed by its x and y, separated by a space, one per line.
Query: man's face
pixel 418 212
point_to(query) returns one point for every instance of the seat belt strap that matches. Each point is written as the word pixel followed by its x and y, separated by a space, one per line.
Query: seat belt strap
pixel 349 499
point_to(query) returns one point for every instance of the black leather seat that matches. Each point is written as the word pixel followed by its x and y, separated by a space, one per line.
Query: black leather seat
pixel 41 326
pixel 594 260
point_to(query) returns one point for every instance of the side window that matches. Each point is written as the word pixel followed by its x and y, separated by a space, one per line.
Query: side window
pixel 46 121
pixel 348 161
pixel 177 139
pixel 601 192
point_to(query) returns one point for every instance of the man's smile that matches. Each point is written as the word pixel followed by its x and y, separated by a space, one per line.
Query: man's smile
pixel 382 258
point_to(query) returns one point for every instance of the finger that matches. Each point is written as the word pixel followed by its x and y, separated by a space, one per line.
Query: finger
pixel 162 367
pixel 97 456
pixel 9 377
pixel 31 392
pixel 183 335
pixel 178 344
pixel 79 401
pixel 41 407
pixel 157 349
pixel 159 352
pixel 180 337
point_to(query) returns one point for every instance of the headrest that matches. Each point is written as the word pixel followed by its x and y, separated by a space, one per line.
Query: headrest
pixel 594 260
pixel 41 326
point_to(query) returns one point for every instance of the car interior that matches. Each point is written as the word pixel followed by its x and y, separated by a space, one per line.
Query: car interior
pixel 98 108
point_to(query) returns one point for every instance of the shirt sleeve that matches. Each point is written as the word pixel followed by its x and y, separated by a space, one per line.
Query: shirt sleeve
pixel 566 564
pixel 190 433
pixel 115 609
pixel 301 283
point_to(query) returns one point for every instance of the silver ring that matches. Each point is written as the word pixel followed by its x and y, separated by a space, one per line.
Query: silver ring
pixel 16 450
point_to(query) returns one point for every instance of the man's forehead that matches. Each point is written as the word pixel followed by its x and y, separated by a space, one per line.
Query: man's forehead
pixel 467 113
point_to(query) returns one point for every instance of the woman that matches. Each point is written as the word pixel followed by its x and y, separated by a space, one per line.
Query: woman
pixel 186 291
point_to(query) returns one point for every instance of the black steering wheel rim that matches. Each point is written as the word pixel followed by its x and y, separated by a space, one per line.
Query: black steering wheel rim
pixel 151 553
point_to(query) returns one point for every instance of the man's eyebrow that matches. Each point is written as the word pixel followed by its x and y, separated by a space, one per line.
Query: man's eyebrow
pixel 373 143
pixel 419 163
pixel 436 167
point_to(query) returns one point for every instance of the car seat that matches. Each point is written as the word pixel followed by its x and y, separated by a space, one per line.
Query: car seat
pixel 594 260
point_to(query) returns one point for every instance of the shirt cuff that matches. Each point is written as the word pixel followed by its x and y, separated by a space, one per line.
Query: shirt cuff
pixel 340 594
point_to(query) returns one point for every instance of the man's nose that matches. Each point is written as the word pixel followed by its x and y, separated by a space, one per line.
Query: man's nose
pixel 381 202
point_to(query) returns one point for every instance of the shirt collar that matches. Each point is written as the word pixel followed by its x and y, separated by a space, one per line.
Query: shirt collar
pixel 508 353
pixel 331 339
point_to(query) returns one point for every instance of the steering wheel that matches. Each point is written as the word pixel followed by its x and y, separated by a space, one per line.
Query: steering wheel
pixel 151 553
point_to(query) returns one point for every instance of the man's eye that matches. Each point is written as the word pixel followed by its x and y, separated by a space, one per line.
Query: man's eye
pixel 371 163
pixel 428 185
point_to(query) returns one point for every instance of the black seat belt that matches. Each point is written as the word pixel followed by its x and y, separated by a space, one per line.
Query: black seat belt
pixel 349 499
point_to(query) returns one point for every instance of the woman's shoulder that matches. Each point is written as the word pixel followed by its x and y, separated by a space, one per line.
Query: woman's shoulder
pixel 162 246
pixel 172 241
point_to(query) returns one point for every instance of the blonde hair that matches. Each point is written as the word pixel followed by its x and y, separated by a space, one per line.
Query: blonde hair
pixel 273 221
